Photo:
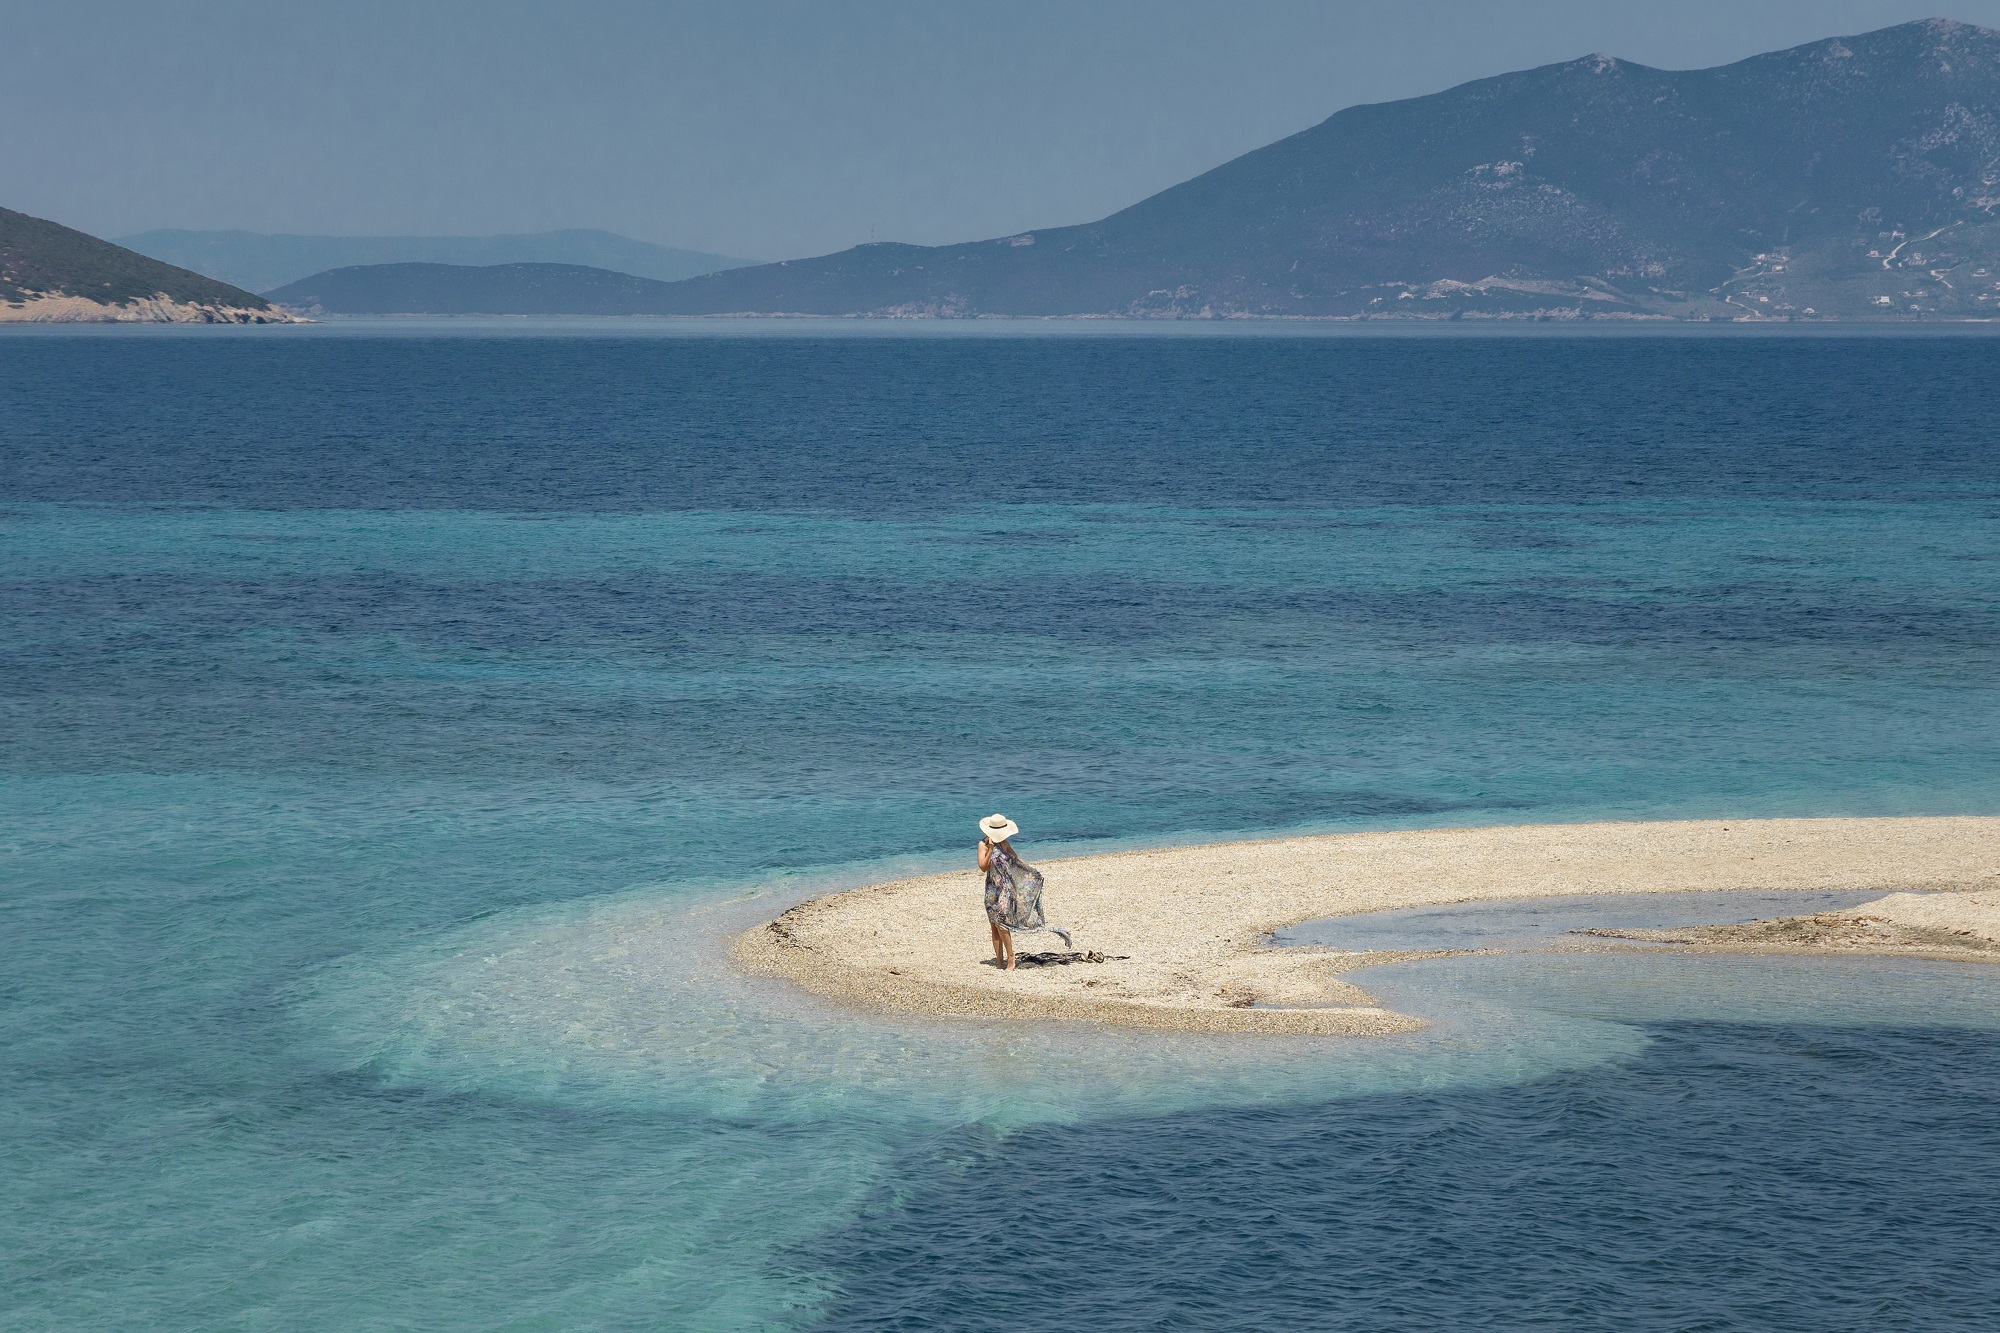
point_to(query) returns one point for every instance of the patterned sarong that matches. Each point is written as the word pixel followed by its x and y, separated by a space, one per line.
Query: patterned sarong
pixel 1014 896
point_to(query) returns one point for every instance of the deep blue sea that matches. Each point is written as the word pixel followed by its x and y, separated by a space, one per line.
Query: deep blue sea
pixel 395 718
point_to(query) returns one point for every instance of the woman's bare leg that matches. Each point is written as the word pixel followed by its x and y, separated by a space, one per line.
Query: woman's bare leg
pixel 999 947
pixel 1007 938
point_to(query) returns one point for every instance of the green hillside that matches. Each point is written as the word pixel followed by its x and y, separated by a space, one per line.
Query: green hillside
pixel 39 257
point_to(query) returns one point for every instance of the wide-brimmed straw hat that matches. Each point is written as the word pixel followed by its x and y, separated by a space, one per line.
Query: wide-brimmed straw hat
pixel 998 828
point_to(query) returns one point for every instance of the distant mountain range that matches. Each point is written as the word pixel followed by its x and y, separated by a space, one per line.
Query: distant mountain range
pixel 1854 177
pixel 260 262
pixel 498 289
pixel 50 273
pixel 1850 177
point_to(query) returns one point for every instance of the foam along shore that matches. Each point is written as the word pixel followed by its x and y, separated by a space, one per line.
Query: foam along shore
pixel 1184 933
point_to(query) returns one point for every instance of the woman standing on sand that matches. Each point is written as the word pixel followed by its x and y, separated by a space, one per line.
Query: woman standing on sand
pixel 1013 889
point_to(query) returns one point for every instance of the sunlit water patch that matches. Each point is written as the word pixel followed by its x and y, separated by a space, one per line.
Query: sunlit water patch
pixel 770 1117
pixel 634 1002
pixel 628 1007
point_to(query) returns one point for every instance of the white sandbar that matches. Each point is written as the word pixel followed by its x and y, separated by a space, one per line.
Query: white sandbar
pixel 1192 924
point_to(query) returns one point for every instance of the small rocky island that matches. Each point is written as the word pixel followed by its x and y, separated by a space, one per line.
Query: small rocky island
pixel 52 274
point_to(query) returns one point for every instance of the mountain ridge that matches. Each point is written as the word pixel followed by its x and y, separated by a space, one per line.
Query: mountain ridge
pixel 263 261
pixel 1595 185
pixel 458 289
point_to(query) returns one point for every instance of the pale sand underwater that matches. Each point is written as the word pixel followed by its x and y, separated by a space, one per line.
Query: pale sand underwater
pixel 1185 932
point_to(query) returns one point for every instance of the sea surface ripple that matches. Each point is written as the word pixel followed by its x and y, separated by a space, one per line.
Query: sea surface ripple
pixel 395 718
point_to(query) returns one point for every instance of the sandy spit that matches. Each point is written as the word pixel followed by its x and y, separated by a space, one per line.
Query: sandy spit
pixel 1184 931
pixel 1929 925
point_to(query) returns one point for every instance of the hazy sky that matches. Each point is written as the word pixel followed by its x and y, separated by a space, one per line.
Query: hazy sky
pixel 760 129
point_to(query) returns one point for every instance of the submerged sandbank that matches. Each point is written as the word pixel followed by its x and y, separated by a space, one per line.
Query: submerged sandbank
pixel 1930 925
pixel 1185 932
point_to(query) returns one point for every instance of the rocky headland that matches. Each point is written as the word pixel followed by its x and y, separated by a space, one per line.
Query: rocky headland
pixel 52 274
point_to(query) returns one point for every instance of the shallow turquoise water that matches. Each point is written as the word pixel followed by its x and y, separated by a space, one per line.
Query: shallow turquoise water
pixel 393 727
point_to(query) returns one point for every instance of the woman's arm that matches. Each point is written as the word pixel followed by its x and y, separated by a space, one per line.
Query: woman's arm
pixel 985 854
